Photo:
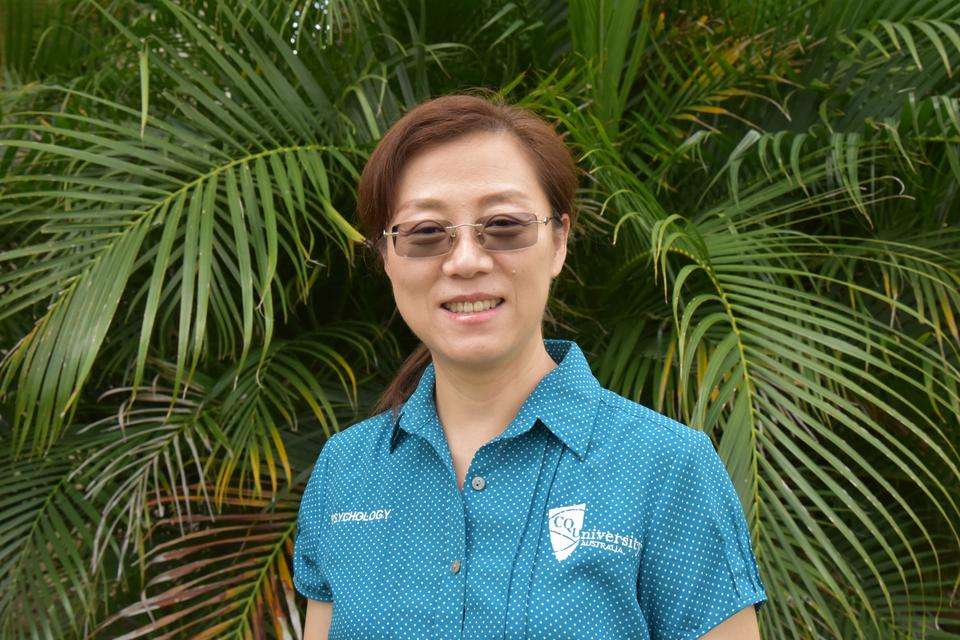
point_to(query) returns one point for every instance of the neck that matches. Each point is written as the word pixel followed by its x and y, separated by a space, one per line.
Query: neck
pixel 475 404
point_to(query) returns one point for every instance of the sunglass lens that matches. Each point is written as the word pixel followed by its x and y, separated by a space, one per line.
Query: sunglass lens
pixel 424 240
pixel 507 233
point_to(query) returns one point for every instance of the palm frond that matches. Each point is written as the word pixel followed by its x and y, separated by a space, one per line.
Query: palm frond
pixel 45 533
pixel 227 574
pixel 218 208
pixel 800 389
pixel 226 432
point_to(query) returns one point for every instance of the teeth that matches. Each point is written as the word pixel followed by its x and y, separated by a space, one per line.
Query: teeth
pixel 471 307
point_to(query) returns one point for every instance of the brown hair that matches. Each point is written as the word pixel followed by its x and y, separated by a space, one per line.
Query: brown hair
pixel 434 122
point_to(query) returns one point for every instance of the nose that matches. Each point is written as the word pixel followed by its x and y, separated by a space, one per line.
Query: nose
pixel 467 257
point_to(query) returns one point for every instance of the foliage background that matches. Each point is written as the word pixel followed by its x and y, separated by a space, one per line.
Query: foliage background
pixel 768 251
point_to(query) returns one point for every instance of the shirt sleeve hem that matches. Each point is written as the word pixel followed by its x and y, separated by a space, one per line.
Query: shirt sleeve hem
pixel 757 599
pixel 321 595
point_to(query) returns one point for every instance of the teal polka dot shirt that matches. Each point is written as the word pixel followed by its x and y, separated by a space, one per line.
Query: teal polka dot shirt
pixel 590 516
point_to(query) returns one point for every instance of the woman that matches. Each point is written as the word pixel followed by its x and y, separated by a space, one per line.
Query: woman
pixel 501 492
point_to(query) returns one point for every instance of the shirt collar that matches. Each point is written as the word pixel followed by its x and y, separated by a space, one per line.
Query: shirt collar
pixel 565 400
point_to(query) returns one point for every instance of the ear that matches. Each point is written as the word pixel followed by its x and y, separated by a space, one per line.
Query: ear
pixel 560 236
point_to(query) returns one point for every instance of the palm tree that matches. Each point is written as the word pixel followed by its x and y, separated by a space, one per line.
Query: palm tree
pixel 185 315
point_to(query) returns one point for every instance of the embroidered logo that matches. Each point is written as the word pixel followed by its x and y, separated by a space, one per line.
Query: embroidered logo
pixel 566 534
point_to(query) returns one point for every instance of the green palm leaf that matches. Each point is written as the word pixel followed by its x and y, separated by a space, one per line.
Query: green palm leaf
pixel 225 433
pixel 45 532
pixel 222 203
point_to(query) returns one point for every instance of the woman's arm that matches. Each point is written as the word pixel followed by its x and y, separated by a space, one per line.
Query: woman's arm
pixel 318 620
pixel 740 626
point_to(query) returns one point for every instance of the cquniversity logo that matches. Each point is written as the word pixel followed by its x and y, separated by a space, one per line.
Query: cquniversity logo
pixel 565 525
pixel 567 533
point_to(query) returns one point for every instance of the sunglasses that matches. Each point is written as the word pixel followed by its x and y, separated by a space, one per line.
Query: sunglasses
pixel 498 232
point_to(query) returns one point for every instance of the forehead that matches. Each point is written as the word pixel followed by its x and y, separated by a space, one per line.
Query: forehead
pixel 505 196
pixel 473 171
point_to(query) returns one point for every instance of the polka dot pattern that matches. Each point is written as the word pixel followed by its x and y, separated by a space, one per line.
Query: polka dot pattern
pixel 596 517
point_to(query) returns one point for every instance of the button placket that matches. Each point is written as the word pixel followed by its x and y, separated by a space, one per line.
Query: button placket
pixel 529 551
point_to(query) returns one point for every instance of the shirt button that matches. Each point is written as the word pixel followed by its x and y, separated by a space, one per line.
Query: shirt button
pixel 455 566
pixel 478 483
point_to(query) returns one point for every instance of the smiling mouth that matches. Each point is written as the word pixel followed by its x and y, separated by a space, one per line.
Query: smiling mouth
pixel 472 307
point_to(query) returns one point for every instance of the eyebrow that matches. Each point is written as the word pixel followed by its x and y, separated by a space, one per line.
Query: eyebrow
pixel 434 204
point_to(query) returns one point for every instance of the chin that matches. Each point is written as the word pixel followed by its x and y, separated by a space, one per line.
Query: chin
pixel 476 349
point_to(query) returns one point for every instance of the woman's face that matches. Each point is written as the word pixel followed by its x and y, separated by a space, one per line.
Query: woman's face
pixel 461 180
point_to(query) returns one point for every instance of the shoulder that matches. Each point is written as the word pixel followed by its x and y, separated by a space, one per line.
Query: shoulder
pixel 634 428
pixel 360 440
pixel 643 453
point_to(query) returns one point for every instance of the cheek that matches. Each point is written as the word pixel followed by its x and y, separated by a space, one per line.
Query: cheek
pixel 411 291
pixel 404 291
pixel 530 284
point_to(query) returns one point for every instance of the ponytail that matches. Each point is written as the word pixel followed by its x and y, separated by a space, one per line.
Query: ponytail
pixel 404 382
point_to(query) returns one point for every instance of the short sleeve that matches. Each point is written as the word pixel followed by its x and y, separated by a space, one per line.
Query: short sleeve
pixel 309 577
pixel 698 566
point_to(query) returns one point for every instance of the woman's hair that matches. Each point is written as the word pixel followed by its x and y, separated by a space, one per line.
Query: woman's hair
pixel 431 123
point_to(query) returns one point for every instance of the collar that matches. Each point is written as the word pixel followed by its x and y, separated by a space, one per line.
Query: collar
pixel 565 401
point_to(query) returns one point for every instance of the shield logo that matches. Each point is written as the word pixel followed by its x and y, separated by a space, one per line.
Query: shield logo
pixel 565 525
